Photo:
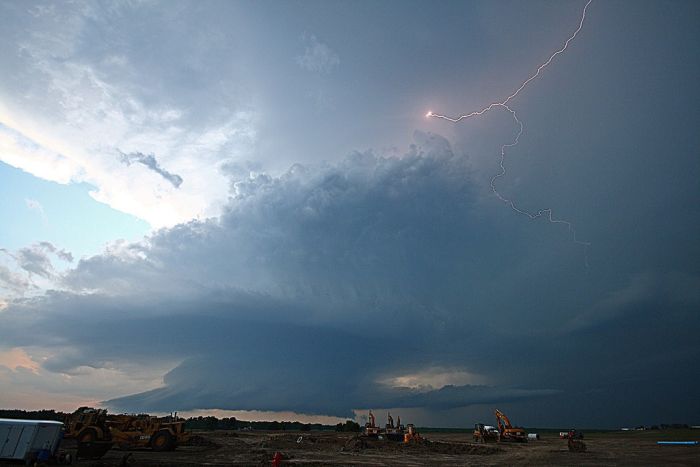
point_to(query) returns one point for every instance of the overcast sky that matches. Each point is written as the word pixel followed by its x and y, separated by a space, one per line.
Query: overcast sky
pixel 242 206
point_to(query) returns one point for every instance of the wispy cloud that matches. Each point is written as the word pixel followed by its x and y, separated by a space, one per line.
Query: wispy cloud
pixel 149 160
pixel 12 283
pixel 36 206
pixel 35 259
pixel 20 270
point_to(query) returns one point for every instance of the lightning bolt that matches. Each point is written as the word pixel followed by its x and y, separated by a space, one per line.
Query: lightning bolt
pixel 545 213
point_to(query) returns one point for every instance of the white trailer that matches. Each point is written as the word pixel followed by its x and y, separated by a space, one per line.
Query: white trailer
pixel 27 440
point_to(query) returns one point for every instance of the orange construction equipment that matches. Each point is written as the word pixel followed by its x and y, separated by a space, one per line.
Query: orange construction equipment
pixel 411 435
pixel 507 431
pixel 394 432
pixel 371 428
pixel 389 421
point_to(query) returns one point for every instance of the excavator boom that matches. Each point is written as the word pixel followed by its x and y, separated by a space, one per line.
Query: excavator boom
pixel 507 430
pixel 502 419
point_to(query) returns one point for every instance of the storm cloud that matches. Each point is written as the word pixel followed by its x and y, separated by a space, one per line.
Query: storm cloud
pixel 317 287
pixel 298 270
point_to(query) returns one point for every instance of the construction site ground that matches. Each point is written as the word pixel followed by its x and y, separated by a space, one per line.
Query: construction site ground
pixel 331 448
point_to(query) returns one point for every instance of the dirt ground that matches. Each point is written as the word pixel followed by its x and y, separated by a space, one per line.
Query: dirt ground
pixel 330 448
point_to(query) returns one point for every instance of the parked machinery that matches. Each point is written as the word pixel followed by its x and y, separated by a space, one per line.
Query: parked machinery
pixel 485 433
pixel 371 428
pixel 91 426
pixel 394 432
pixel 575 434
pixel 411 435
pixel 87 425
pixel 574 441
pixel 145 431
pixel 507 431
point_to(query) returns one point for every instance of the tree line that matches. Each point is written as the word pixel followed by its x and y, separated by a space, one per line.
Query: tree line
pixel 214 423
pixel 201 423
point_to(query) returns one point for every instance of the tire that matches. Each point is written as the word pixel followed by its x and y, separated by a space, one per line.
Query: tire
pixel 88 435
pixel 163 441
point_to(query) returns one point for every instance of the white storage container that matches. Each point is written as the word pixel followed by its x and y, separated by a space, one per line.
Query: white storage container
pixel 26 439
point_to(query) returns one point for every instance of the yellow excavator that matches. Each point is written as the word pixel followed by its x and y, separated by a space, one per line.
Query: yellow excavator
pixel 507 431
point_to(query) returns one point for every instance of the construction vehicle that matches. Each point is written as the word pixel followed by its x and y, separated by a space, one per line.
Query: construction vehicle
pixel 574 441
pixel 508 432
pixel 93 426
pixel 89 428
pixel 571 434
pixel 144 431
pixel 371 428
pixel 411 435
pixel 394 432
pixel 87 425
pixel 389 421
pixel 485 433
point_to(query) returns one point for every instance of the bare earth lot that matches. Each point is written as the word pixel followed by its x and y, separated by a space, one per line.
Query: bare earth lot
pixel 329 448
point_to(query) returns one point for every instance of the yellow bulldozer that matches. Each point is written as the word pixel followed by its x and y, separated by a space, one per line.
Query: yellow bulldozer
pixel 88 425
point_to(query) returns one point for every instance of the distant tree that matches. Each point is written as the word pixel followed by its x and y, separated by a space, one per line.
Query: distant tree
pixel 211 423
pixel 348 426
